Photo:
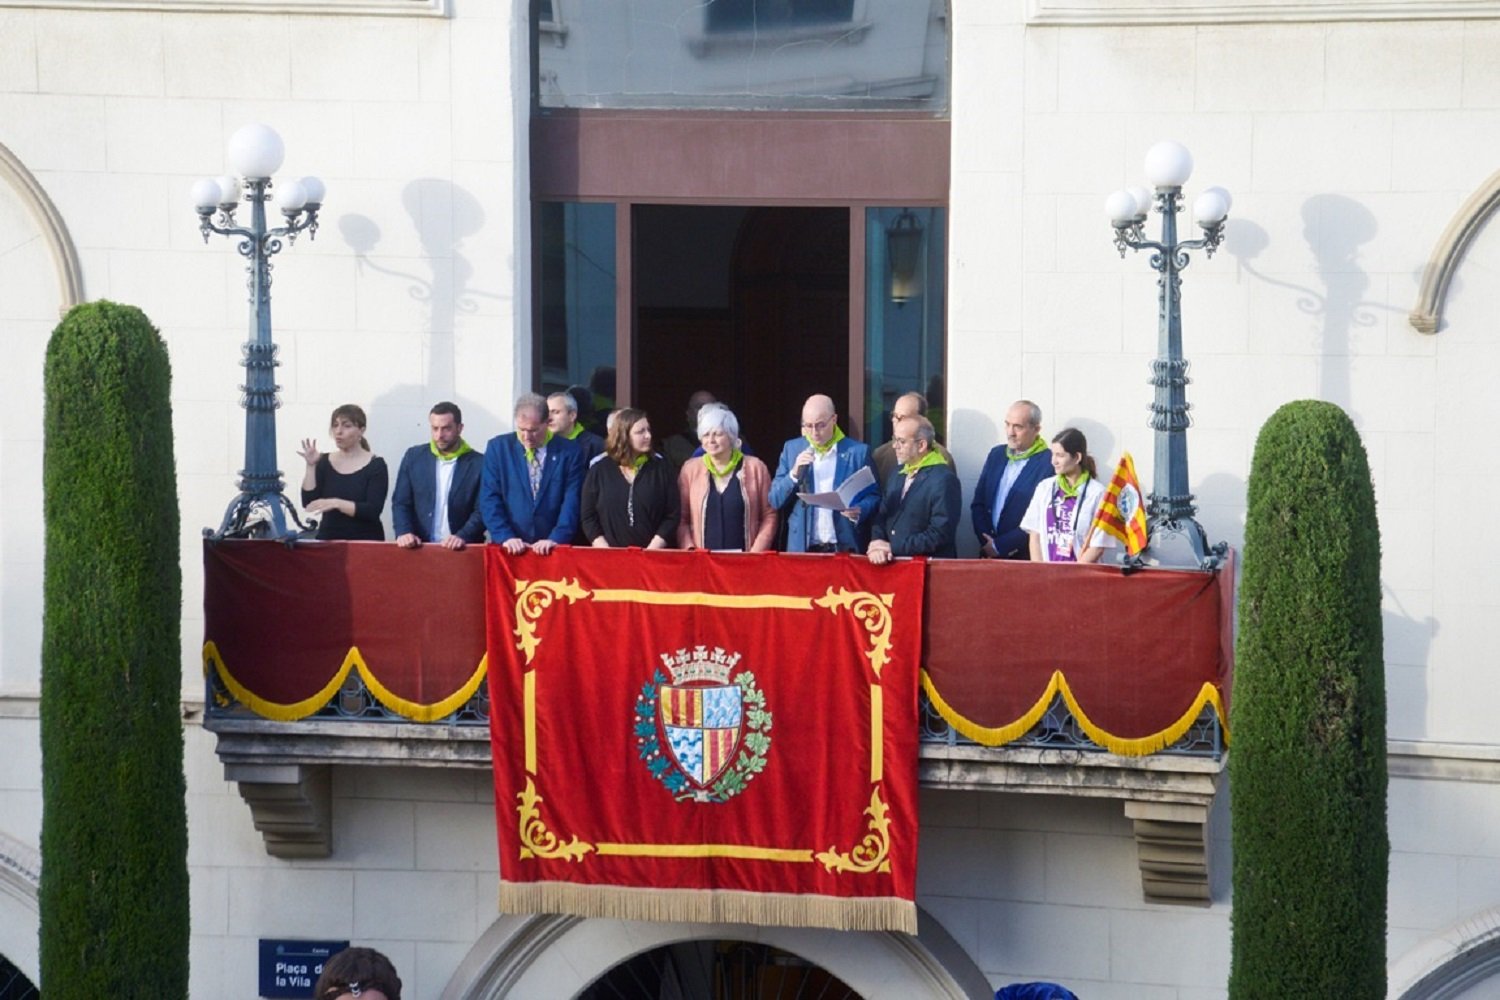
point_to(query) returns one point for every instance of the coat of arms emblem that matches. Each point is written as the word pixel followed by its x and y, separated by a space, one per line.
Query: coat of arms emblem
pixel 701 727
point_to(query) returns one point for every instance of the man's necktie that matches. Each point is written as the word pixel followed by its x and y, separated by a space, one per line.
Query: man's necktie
pixel 534 470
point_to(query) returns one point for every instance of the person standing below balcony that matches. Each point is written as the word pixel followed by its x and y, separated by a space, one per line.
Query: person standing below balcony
pixel 437 487
pixel 923 502
pixel 562 420
pixel 911 404
pixel 725 494
pixel 532 479
pixel 347 486
pixel 358 972
pixel 1061 515
pixel 630 498
pixel 819 462
pixel 1010 476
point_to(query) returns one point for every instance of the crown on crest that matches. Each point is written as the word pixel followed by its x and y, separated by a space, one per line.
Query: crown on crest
pixel 700 665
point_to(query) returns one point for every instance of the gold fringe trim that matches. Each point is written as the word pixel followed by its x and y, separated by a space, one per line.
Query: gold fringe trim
pixel 1140 747
pixel 353 660
pixel 884 913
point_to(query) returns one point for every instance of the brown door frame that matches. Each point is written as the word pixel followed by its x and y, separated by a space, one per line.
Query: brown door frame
pixel 831 159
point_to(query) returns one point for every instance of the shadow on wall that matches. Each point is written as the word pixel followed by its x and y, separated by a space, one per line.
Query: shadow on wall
pixel 975 433
pixel 1407 641
pixel 1335 228
pixel 443 216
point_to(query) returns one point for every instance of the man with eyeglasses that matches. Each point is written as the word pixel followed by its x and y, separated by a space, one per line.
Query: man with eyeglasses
pixel 923 502
pixel 820 461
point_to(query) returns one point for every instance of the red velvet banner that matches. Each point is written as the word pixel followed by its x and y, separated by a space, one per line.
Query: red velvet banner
pixel 283 627
pixel 691 737
pixel 1136 658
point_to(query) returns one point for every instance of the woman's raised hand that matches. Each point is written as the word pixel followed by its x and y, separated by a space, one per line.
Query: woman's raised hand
pixel 309 451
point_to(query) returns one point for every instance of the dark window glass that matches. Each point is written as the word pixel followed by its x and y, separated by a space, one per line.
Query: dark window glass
pixel 905 300
pixel 576 322
pixel 742 15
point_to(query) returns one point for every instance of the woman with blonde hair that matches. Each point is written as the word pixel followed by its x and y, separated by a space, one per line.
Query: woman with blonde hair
pixel 346 487
pixel 725 494
pixel 629 497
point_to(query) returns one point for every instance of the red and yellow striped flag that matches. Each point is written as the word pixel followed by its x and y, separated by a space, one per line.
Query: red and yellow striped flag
pixel 1122 512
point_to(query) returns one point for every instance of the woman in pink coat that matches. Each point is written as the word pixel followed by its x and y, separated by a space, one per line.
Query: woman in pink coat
pixel 726 503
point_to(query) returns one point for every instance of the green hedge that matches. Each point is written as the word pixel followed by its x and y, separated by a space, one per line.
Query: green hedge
pixel 114 891
pixel 1307 768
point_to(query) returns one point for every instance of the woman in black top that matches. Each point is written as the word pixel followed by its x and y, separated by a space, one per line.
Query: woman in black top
pixel 630 495
pixel 348 485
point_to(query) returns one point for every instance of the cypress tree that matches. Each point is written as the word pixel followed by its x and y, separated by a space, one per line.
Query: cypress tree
pixel 1308 767
pixel 114 888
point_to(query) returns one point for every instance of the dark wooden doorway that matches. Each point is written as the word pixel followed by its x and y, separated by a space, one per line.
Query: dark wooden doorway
pixel 750 303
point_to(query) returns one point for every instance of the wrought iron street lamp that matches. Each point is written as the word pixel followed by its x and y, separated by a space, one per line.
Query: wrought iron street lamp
pixel 255 153
pixel 1177 539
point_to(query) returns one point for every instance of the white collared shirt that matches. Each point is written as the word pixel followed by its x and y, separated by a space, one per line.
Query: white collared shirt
pixel 824 467
pixel 445 471
pixel 1008 477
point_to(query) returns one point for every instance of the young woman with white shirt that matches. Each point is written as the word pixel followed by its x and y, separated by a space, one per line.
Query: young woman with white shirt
pixel 1062 509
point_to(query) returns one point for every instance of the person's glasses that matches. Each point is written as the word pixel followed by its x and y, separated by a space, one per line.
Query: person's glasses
pixel 818 426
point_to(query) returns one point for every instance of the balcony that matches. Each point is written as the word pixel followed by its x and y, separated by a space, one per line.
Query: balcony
pixel 1049 680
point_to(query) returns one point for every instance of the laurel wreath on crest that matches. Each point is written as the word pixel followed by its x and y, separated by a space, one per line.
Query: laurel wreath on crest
pixel 750 761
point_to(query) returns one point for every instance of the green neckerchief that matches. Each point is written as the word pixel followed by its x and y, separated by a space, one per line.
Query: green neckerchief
pixel 572 435
pixel 735 458
pixel 639 461
pixel 1076 488
pixel 531 452
pixel 462 449
pixel 1037 446
pixel 930 459
pixel 822 449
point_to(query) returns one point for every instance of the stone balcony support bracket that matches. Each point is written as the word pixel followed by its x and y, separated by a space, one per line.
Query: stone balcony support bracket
pixel 1167 798
pixel 290 804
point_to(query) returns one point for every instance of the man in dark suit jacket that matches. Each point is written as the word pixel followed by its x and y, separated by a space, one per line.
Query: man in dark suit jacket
pixel 562 420
pixel 532 484
pixel 437 489
pixel 923 502
pixel 1010 477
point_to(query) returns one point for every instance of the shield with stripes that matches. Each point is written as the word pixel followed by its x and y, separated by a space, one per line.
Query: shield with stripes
pixel 702 725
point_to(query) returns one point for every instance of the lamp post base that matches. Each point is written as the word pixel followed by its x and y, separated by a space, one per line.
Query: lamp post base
pixel 261 515
pixel 1181 543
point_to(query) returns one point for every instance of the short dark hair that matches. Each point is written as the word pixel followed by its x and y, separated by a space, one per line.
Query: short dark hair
pixel 364 967
pixel 448 409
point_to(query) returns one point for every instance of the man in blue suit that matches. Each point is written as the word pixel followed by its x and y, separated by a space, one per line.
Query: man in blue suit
pixel 532 485
pixel 1010 475
pixel 818 462
pixel 437 489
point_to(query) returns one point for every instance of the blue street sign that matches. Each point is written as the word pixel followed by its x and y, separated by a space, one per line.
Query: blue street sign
pixel 291 968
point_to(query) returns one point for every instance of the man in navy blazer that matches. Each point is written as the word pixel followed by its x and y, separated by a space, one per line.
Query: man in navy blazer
pixel 923 502
pixel 532 485
pixel 1010 476
pixel 437 489
pixel 819 462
